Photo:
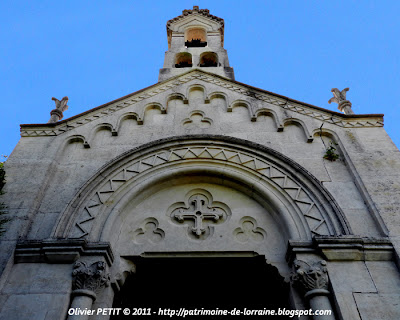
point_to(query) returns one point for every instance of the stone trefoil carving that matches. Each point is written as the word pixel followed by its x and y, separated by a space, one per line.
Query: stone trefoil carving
pixel 57 113
pixel 90 277
pixel 149 231
pixel 311 278
pixel 339 97
pixel 199 212
pixel 249 231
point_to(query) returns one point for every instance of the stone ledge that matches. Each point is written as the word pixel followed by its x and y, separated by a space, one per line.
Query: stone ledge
pixel 343 248
pixel 60 251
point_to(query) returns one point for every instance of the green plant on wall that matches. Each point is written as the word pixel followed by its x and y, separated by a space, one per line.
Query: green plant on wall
pixel 330 153
pixel 3 208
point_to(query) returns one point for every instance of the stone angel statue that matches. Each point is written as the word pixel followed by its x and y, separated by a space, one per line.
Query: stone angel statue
pixel 57 113
pixel 339 97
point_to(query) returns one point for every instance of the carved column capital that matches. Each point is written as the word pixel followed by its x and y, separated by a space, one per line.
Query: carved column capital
pixel 312 279
pixel 89 279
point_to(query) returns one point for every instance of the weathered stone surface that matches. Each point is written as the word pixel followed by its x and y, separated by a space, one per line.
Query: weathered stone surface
pixel 378 306
pixel 38 278
pixel 39 306
pixel 360 280
pixel 385 275
pixel 128 173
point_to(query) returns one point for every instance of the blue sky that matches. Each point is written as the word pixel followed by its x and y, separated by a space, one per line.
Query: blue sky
pixel 98 51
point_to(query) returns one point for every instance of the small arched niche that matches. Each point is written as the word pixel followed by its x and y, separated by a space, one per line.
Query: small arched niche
pixel 183 60
pixel 195 37
pixel 209 59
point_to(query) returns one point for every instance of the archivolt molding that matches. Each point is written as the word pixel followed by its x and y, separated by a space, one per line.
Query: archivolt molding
pixel 311 201
pixel 198 75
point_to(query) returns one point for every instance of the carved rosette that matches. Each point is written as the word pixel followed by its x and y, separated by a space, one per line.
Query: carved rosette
pixel 88 280
pixel 312 279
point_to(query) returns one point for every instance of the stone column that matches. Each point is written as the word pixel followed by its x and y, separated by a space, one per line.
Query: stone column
pixel 55 115
pixel 87 280
pixel 313 281
pixel 345 107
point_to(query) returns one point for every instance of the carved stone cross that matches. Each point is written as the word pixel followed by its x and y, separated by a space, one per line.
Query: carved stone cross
pixel 200 212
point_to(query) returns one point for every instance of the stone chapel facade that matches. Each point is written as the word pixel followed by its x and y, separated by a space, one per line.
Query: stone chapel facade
pixel 208 185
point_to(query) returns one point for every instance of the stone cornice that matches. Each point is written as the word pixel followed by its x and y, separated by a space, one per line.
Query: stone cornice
pixel 195 11
pixel 343 248
pixel 325 115
pixel 60 251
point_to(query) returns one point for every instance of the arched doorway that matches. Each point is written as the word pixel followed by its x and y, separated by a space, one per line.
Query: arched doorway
pixel 202 194
pixel 240 282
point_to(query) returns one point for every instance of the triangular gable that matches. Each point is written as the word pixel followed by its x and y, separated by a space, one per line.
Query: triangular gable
pixel 295 106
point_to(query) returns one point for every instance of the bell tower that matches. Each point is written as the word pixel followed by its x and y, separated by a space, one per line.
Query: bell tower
pixel 195 40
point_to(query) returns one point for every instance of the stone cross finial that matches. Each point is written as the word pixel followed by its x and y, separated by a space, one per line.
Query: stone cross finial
pixel 339 97
pixel 57 113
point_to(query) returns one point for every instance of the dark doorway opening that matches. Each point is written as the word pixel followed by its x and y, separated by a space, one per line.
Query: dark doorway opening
pixel 202 283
